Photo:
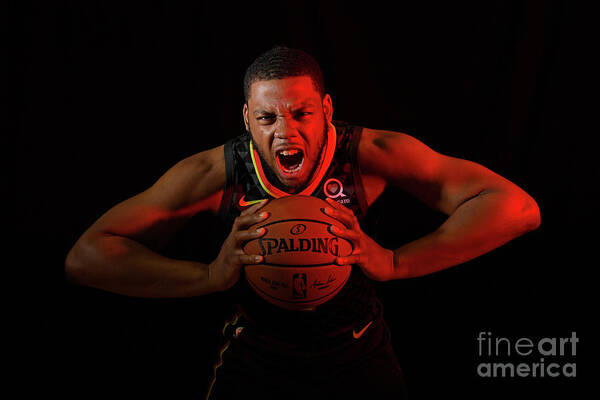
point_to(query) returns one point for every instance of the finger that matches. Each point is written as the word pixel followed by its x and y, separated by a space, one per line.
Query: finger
pixel 246 235
pixel 249 259
pixel 335 206
pixel 349 260
pixel 348 234
pixel 254 207
pixel 243 222
pixel 347 219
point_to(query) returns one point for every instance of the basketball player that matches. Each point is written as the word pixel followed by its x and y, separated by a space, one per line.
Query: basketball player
pixel 292 145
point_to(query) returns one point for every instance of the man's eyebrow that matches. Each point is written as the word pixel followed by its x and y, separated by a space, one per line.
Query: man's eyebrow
pixel 261 112
pixel 308 103
pixel 303 104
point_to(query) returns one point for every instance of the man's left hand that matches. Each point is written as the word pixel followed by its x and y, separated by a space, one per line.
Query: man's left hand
pixel 376 262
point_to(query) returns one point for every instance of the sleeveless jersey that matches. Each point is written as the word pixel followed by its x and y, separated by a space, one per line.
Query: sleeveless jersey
pixel 250 179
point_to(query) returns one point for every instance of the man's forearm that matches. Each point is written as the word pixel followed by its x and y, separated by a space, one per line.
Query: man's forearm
pixel 121 265
pixel 478 226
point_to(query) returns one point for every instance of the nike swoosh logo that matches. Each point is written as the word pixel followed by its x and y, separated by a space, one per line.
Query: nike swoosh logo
pixel 358 334
pixel 244 203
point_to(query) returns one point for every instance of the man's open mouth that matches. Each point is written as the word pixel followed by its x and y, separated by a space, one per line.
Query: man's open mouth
pixel 290 161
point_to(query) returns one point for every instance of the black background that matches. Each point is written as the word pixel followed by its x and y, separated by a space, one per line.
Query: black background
pixel 110 95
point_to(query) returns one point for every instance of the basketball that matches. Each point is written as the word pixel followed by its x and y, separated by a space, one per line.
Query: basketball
pixel 298 271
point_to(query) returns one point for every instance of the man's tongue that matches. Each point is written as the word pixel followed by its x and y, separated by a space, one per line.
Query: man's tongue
pixel 290 161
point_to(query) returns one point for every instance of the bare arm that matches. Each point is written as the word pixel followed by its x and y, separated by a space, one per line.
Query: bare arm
pixel 484 209
pixel 118 253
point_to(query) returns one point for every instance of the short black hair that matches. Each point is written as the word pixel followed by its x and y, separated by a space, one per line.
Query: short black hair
pixel 282 62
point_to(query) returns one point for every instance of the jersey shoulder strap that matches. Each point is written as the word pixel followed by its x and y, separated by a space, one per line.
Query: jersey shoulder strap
pixel 343 182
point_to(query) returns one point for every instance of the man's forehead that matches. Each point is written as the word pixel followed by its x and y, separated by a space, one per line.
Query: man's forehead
pixel 290 92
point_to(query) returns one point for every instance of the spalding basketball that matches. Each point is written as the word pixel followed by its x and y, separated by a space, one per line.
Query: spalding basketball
pixel 298 271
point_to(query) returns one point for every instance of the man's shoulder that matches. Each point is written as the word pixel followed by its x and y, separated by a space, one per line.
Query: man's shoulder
pixel 380 151
pixel 202 161
pixel 385 140
pixel 199 175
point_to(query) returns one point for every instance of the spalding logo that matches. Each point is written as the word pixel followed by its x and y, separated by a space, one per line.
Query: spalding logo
pixel 298 229
pixel 269 246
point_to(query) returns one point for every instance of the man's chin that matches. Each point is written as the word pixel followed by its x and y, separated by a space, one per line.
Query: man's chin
pixel 292 182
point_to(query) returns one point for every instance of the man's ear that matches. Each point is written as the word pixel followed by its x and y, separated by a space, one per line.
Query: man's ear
pixel 245 115
pixel 327 107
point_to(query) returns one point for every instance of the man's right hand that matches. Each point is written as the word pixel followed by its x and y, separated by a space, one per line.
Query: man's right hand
pixel 224 271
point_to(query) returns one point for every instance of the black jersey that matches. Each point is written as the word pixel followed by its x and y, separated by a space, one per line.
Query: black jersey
pixel 249 179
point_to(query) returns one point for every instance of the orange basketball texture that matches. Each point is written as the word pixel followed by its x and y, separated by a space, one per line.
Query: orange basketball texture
pixel 298 271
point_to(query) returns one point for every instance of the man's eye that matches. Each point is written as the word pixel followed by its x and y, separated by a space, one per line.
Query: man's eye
pixel 265 117
pixel 304 113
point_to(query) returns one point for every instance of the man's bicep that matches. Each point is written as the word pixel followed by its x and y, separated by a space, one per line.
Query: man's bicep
pixel 440 181
pixel 193 185
pixel 461 180
pixel 402 161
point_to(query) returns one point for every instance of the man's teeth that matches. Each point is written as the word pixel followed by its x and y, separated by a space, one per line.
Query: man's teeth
pixel 290 161
pixel 289 152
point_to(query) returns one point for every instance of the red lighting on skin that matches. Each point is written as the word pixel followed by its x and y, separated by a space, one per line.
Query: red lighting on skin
pixel 145 217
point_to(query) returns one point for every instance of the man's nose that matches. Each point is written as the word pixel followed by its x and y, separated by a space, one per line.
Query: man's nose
pixel 286 127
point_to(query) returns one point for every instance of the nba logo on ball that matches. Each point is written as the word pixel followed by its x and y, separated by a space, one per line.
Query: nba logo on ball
pixel 299 286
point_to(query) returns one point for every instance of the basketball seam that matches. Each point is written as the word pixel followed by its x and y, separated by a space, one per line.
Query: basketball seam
pixel 296 219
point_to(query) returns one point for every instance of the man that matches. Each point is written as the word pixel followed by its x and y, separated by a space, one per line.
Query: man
pixel 293 146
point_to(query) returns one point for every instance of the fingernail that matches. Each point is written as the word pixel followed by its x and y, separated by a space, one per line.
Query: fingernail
pixel 257 258
pixel 260 231
pixel 263 214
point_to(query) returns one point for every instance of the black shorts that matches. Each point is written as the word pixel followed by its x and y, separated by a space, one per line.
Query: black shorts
pixel 254 366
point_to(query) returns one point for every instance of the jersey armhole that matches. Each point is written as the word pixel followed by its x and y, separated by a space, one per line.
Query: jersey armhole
pixel 228 190
pixel 356 175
